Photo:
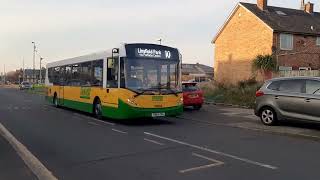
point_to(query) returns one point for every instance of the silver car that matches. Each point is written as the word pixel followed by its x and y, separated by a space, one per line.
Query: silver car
pixel 25 85
pixel 295 98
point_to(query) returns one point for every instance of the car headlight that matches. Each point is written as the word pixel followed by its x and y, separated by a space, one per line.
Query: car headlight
pixel 180 101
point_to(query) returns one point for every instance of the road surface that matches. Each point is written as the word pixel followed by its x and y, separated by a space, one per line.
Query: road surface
pixel 205 144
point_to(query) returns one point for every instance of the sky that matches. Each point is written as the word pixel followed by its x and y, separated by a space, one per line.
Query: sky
pixel 70 28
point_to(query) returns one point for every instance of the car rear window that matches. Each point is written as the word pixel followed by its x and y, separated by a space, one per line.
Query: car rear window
pixel 291 86
pixel 190 87
pixel 274 86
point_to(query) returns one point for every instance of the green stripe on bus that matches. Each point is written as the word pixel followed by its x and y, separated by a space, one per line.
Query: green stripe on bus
pixel 124 111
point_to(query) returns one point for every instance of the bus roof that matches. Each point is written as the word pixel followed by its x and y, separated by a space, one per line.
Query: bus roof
pixel 97 55
pixel 79 59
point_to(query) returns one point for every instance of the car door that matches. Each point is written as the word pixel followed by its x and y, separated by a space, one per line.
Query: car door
pixel 289 97
pixel 312 99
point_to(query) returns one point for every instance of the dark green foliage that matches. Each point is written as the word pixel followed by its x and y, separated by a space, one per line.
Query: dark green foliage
pixel 264 63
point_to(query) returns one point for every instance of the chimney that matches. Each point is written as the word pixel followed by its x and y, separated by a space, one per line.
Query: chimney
pixel 262 4
pixel 302 5
pixel 308 8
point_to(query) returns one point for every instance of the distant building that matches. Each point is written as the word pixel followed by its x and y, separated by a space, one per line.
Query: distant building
pixel 28 75
pixel 196 72
pixel 292 36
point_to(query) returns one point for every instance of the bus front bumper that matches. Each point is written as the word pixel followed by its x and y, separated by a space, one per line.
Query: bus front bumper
pixel 125 111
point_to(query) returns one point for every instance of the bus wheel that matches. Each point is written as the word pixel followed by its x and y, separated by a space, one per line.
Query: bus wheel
pixel 97 109
pixel 55 100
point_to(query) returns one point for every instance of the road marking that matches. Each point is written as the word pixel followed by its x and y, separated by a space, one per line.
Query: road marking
pixel 215 163
pixel 153 141
pixel 29 159
pixel 116 130
pixel 214 151
pixel 93 119
pixel 93 123
pixel 104 122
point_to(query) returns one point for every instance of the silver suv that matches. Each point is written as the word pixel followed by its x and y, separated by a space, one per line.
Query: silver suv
pixel 288 98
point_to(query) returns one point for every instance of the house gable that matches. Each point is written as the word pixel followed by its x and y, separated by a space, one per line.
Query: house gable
pixel 234 11
pixel 243 37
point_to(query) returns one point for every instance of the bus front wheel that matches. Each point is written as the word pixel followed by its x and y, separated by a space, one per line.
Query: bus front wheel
pixel 97 109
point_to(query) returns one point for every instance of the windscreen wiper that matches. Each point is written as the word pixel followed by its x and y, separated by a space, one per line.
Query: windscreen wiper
pixel 143 91
pixel 160 87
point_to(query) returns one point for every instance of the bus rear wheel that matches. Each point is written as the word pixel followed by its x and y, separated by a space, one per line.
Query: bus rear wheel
pixel 97 109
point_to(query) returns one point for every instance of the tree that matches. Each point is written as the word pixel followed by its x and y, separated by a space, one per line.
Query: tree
pixel 266 64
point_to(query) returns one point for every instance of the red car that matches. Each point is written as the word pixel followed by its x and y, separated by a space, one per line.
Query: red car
pixel 192 95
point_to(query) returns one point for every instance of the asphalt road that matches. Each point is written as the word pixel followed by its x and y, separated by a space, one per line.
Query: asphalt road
pixel 73 145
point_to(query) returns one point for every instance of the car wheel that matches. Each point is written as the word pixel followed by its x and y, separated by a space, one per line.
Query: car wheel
pixel 97 109
pixel 55 101
pixel 197 107
pixel 268 116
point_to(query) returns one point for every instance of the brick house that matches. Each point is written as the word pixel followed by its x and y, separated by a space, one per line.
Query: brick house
pixel 196 72
pixel 291 35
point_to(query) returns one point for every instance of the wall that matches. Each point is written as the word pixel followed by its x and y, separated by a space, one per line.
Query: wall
pixel 305 52
pixel 243 38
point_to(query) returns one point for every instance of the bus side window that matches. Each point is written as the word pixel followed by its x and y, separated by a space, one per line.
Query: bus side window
pixel 50 75
pixel 112 73
pixel 97 73
pixel 85 77
pixel 56 75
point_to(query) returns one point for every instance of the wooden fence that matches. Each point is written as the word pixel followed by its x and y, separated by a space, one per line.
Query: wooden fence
pixel 312 73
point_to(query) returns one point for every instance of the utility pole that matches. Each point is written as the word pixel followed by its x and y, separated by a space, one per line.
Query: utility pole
pixel 4 74
pixel 160 40
pixel 23 74
pixel 34 61
pixel 40 75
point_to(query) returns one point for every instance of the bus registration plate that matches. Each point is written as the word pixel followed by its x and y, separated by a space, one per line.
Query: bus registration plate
pixel 158 114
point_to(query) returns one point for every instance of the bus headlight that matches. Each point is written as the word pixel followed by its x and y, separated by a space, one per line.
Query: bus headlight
pixel 130 101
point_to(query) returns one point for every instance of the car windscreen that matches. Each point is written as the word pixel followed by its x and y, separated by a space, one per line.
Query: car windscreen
pixel 189 87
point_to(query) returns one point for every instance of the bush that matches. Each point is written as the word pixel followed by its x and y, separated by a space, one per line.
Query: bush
pixel 243 94
pixel 250 82
pixel 264 63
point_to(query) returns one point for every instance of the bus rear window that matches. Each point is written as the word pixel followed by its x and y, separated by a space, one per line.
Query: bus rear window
pixel 190 87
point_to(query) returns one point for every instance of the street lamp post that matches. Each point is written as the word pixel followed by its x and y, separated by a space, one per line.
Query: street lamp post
pixel 40 75
pixel 4 74
pixel 34 61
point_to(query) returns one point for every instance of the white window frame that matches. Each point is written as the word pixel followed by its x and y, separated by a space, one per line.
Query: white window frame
pixel 282 35
pixel 318 41
pixel 304 68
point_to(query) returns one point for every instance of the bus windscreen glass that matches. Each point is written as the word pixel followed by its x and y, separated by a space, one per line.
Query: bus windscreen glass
pixel 152 74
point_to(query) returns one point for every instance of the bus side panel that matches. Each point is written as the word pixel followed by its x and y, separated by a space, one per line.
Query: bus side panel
pixel 51 91
pixel 74 100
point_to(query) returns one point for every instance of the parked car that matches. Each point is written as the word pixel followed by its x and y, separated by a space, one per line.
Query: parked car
pixel 25 85
pixel 295 98
pixel 192 95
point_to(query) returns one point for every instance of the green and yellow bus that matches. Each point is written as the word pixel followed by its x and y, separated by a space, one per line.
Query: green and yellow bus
pixel 130 81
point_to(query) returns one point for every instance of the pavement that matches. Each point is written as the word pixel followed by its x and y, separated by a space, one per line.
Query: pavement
pixel 213 143
pixel 11 165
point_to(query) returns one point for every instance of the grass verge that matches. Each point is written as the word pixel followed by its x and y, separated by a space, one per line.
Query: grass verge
pixel 242 95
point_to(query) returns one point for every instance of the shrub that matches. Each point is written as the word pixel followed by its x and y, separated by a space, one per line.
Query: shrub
pixel 264 63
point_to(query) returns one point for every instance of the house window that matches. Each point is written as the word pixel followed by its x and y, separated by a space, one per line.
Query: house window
pixel 318 41
pixel 286 41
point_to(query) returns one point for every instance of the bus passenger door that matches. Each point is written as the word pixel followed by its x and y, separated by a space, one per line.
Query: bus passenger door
pixel 61 94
